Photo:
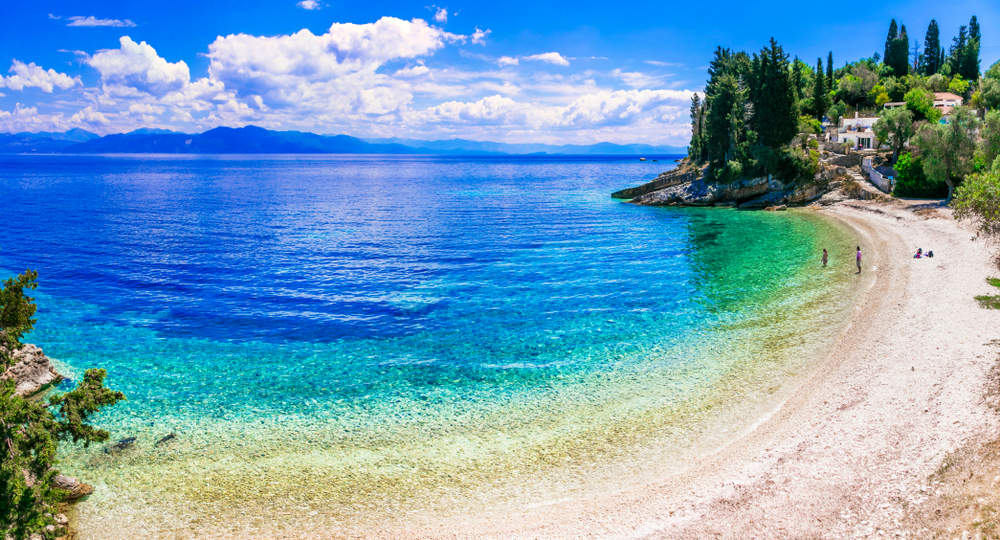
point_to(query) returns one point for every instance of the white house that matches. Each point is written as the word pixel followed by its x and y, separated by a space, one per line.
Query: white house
pixel 857 130
pixel 943 101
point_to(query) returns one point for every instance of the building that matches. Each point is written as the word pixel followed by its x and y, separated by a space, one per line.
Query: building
pixel 857 131
pixel 943 101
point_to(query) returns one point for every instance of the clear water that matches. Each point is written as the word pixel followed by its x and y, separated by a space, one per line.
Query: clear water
pixel 338 341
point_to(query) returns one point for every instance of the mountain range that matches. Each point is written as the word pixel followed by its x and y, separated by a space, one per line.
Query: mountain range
pixel 257 140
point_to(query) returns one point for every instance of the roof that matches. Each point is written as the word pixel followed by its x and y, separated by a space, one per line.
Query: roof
pixel 946 96
pixel 895 104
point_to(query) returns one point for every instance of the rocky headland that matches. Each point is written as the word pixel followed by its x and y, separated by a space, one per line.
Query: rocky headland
pixel 838 178
pixel 31 370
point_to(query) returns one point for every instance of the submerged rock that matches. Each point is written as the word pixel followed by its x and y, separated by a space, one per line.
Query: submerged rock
pixel 75 489
pixel 120 445
pixel 167 438
pixel 32 371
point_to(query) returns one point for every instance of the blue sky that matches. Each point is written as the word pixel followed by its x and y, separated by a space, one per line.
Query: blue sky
pixel 513 71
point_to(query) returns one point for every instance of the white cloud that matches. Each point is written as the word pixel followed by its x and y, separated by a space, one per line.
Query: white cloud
pixel 30 75
pixel 549 57
pixel 663 64
pixel 93 21
pixel 441 16
pixel 479 36
pixel 136 65
pixel 51 16
pixel 508 61
pixel 637 79
pixel 310 4
pixel 89 117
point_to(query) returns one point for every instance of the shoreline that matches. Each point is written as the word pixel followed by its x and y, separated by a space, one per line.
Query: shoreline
pixel 849 452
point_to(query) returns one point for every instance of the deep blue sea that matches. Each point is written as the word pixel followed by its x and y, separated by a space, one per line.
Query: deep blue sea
pixel 387 332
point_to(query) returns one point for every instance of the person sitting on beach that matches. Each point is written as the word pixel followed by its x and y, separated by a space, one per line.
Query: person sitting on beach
pixel 929 254
pixel 919 253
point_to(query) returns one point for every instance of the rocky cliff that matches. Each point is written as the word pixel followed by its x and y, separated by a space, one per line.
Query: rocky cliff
pixel 687 186
pixel 32 371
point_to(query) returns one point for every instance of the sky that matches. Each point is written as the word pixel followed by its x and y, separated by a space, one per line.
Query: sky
pixel 512 71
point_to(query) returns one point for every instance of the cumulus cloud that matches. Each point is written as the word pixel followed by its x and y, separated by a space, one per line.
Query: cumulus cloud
pixel 441 16
pixel 479 36
pixel 508 61
pixel 136 65
pixel 549 57
pixel 90 117
pixel 93 21
pixel 30 75
pixel 310 4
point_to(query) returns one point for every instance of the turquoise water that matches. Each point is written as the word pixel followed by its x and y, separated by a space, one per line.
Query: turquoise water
pixel 345 339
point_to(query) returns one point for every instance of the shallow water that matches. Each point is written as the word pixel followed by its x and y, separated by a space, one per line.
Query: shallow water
pixel 337 340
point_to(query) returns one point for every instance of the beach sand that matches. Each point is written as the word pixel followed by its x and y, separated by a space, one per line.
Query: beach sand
pixel 850 450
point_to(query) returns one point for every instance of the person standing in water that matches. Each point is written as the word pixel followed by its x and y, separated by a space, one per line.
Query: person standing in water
pixel 825 257
pixel 859 259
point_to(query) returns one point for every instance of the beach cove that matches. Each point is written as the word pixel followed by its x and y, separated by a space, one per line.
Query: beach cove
pixel 535 432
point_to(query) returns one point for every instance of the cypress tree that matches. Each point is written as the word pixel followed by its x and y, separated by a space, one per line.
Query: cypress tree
pixel 893 34
pixel 899 54
pixel 956 53
pixel 970 56
pixel 932 46
pixel 797 77
pixel 775 112
pixel 820 98
pixel 829 70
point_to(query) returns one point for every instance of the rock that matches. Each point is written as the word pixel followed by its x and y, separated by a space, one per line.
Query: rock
pixel 61 520
pixel 32 371
pixel 120 445
pixel 75 488
pixel 680 175
pixel 167 438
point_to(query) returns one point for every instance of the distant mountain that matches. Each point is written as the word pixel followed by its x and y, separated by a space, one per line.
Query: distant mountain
pixel 257 140
pixel 151 131
pixel 505 148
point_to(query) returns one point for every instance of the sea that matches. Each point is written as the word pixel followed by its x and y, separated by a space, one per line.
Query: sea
pixel 341 342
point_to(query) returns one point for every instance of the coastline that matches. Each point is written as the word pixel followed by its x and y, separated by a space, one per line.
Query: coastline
pixel 850 450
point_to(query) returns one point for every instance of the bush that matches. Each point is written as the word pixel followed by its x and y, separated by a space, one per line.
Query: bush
pixel 912 182
pixel 978 200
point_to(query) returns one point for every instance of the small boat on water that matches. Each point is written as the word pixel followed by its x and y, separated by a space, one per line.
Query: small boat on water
pixel 642 159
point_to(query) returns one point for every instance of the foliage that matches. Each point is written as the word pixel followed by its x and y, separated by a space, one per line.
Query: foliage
pixel 898 57
pixel 775 118
pixel 16 311
pixel 978 200
pixel 821 101
pixel 854 89
pixel 933 55
pixel 948 148
pixel 988 96
pixel 958 85
pixel 993 72
pixel 989 144
pixel 810 125
pixel 912 182
pixel 963 55
pixel 894 127
pixel 31 430
pixel 836 112
pixel 937 83
pixel 921 103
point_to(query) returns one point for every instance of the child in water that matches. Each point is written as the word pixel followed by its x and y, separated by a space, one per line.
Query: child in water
pixel 825 257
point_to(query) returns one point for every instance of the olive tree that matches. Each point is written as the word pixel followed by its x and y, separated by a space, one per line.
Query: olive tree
pixel 948 149
pixel 895 127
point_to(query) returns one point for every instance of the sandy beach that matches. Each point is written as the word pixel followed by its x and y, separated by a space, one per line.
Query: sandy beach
pixel 849 451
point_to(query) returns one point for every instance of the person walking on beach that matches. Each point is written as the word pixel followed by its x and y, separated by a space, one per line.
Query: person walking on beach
pixel 825 257
pixel 859 259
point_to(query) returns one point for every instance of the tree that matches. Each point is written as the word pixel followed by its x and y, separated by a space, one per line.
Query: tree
pixel 948 149
pixel 895 127
pixel 978 200
pixel 889 40
pixel 921 103
pixel 970 60
pixel 775 118
pixel 912 182
pixel 797 78
pixel 835 112
pixel 958 85
pixel 932 46
pixel 695 148
pixel 31 430
pixel 957 53
pixel 899 54
pixel 829 70
pixel 989 146
pixel 855 88
pixel 821 101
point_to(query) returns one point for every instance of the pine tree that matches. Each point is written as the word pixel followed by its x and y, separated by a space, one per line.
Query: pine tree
pixel 893 34
pixel 970 56
pixel 820 97
pixel 694 149
pixel 932 46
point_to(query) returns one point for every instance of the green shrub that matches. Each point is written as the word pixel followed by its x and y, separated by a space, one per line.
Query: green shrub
pixel 912 182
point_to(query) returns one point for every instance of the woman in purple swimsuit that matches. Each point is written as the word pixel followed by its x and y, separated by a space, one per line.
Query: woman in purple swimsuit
pixel 859 259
